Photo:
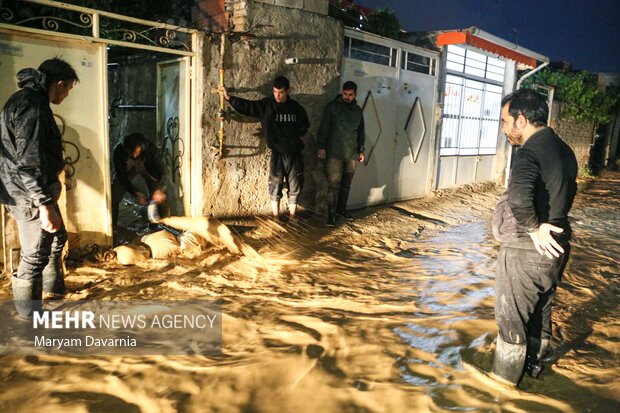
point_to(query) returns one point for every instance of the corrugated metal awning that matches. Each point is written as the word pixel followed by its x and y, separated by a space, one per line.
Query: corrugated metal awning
pixel 485 41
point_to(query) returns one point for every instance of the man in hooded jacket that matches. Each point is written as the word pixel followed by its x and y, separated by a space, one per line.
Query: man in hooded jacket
pixel 31 159
pixel 341 140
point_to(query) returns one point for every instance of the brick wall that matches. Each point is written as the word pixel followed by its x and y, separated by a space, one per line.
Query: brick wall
pixel 578 135
pixel 211 15
pixel 315 6
pixel 214 14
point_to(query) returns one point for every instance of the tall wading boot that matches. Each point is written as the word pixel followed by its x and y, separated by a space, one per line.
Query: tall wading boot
pixel 27 296
pixel 343 195
pixel 54 278
pixel 509 361
pixel 331 207
pixel 536 350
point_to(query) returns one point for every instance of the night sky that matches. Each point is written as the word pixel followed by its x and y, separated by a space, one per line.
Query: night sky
pixel 585 33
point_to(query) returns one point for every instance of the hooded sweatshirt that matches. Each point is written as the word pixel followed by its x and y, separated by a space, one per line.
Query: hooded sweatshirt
pixel 283 124
pixel 30 144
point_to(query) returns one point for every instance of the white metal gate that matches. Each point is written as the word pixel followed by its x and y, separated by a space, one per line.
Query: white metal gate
pixel 173 109
pixel 397 91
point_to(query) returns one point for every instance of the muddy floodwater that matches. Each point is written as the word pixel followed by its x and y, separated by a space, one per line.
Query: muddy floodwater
pixel 376 315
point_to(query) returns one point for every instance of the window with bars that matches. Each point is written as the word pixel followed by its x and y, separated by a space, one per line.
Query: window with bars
pixel 417 63
pixel 387 56
pixel 470 117
pixel 369 52
pixel 472 63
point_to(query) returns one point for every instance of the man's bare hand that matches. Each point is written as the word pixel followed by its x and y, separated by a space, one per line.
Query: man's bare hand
pixel 50 220
pixel 222 91
pixel 141 198
pixel 362 157
pixel 545 243
pixel 158 196
pixel 322 154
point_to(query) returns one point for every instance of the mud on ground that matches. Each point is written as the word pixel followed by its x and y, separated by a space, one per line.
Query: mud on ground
pixel 373 316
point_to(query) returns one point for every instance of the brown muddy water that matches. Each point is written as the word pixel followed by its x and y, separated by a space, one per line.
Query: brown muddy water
pixel 374 316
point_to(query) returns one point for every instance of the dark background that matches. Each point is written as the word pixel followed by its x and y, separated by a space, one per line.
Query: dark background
pixel 585 33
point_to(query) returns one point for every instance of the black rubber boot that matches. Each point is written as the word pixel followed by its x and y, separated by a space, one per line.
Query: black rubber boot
pixel 536 350
pixel 331 207
pixel 54 278
pixel 27 296
pixel 509 361
pixel 343 196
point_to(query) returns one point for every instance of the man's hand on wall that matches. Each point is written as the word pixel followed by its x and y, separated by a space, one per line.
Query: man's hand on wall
pixel 544 241
pixel 50 220
pixel 322 154
pixel 222 91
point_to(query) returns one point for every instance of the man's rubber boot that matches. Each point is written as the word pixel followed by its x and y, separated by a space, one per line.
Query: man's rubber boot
pixel 343 196
pixel 54 279
pixel 27 296
pixel 536 350
pixel 509 361
pixel 331 219
pixel 331 208
pixel 345 215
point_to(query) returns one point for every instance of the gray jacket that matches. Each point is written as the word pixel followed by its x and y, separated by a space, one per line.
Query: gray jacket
pixel 342 130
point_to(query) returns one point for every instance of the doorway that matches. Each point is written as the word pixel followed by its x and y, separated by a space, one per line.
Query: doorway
pixel 148 93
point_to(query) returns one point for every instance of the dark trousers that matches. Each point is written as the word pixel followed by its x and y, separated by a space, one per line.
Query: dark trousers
pixel 41 251
pixel 286 171
pixel 340 175
pixel 525 285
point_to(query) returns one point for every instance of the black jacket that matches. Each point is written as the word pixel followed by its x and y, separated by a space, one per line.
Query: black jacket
pixel 541 189
pixel 283 123
pixel 342 130
pixel 30 144
pixel 152 167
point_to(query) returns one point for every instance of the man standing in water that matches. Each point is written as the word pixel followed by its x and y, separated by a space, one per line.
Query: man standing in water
pixel 30 161
pixel 341 139
pixel 532 225
pixel 284 123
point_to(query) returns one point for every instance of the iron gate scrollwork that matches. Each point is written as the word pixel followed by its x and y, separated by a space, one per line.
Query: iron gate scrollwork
pixel 82 21
pixel 69 160
pixel 173 161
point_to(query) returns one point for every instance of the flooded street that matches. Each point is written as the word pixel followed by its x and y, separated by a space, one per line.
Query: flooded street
pixel 376 315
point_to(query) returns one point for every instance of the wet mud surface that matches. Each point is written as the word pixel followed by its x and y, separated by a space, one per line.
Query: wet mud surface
pixel 376 315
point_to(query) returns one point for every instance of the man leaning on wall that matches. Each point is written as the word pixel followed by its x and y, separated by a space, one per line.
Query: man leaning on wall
pixel 531 222
pixel 284 122
pixel 31 159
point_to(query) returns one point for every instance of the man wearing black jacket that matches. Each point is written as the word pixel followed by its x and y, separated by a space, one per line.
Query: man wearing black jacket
pixel 284 123
pixel 531 222
pixel 137 156
pixel 31 159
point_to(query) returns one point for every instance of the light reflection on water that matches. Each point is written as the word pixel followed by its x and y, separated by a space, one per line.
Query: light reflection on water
pixel 331 326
